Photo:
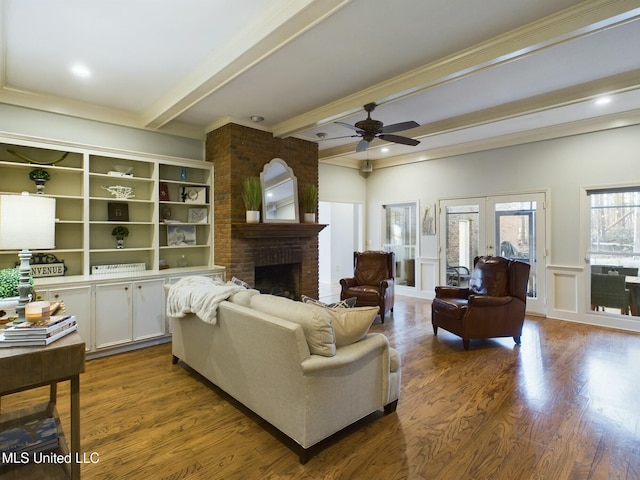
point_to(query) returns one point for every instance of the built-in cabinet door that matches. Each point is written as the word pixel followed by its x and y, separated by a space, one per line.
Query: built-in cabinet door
pixel 77 301
pixel 113 314
pixel 148 309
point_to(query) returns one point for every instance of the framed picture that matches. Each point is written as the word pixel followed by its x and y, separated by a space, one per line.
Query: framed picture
pixel 429 221
pixel 118 211
pixel 179 235
pixel 164 192
pixel 197 195
pixel 197 215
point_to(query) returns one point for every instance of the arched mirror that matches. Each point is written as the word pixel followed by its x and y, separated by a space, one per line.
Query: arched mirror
pixel 279 192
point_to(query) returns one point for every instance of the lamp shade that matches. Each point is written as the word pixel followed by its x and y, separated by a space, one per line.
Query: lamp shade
pixel 27 222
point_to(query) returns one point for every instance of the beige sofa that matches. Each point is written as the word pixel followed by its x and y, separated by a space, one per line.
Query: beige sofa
pixel 259 351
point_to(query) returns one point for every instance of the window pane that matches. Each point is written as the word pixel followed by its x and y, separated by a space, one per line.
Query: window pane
pixel 614 250
pixel 401 235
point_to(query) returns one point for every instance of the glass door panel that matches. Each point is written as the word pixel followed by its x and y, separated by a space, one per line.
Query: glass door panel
pixel 462 241
pixel 515 227
pixel 401 238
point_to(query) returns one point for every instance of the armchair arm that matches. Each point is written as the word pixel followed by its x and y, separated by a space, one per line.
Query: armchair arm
pixel 348 282
pixel 487 301
pixel 451 292
pixel 384 284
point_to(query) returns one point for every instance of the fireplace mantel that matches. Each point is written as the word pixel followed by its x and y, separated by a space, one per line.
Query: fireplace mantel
pixel 277 230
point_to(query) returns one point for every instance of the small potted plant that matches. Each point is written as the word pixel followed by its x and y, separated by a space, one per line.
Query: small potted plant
pixel 9 293
pixel 252 197
pixel 310 202
pixel 120 232
pixel 40 176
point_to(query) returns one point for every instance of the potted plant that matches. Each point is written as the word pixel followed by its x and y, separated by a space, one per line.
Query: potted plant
pixel 120 232
pixel 252 197
pixel 9 294
pixel 40 176
pixel 310 202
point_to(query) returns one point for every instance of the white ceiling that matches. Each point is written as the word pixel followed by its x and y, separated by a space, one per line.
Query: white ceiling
pixel 474 75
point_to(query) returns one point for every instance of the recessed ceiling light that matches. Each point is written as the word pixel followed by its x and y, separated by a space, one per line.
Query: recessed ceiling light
pixel 257 118
pixel 602 100
pixel 384 149
pixel 81 71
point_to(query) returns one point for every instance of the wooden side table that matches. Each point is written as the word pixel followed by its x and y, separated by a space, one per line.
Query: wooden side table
pixel 24 368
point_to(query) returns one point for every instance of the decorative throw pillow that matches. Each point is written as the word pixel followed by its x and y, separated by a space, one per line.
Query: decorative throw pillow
pixel 350 324
pixel 242 283
pixel 315 322
pixel 346 303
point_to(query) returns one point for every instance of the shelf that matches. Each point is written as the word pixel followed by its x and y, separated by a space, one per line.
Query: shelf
pixel 277 230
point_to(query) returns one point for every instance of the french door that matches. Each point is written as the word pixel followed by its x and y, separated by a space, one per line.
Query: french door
pixel 511 226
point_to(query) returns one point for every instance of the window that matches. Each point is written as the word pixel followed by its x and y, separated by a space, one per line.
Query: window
pixel 614 249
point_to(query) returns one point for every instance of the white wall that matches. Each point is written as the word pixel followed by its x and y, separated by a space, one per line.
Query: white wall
pixel 338 240
pixel 342 193
pixel 561 167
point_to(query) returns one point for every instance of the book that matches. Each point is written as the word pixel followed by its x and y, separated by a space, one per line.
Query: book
pixel 24 334
pixel 33 342
pixel 47 329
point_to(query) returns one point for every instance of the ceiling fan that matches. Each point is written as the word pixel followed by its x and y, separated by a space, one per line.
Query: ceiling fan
pixel 369 129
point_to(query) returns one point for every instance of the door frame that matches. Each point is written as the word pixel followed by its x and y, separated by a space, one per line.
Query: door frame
pixel 486 239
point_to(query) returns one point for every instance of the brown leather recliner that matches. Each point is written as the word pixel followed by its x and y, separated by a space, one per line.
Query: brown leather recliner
pixel 373 281
pixel 492 306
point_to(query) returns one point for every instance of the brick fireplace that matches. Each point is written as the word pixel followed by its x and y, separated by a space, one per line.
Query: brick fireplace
pixel 238 152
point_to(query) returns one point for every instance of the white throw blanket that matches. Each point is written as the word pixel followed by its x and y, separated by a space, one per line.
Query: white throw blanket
pixel 199 295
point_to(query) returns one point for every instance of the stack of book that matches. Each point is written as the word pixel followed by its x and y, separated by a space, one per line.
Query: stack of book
pixel 42 333
pixel 35 436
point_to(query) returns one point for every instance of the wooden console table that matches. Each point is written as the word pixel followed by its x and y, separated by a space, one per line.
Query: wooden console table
pixel 24 368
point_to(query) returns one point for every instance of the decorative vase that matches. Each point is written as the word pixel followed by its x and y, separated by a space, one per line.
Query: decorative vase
pixel 253 216
pixel 9 303
pixel 40 185
pixel 309 218
pixel 119 242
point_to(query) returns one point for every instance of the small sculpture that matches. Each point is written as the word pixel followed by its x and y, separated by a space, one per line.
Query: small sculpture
pixel 119 191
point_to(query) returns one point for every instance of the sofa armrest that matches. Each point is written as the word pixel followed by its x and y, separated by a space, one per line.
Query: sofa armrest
pixel 346 356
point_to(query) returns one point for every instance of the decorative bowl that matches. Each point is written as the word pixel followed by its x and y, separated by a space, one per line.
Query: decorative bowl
pixel 123 169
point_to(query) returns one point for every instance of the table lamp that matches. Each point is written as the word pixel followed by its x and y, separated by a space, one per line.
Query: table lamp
pixel 26 222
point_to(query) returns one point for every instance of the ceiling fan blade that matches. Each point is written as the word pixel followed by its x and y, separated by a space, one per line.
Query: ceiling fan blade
pixel 398 127
pixel 399 139
pixel 349 126
pixel 362 146
pixel 337 138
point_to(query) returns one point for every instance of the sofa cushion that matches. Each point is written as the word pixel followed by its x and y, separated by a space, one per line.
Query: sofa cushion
pixel 350 324
pixel 315 321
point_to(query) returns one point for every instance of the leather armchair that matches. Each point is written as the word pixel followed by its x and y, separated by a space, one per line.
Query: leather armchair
pixel 373 281
pixel 492 306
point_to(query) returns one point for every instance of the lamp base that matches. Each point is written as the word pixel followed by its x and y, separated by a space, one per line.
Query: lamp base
pixel 24 287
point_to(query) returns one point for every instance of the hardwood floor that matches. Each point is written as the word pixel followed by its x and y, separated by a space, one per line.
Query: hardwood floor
pixel 564 405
